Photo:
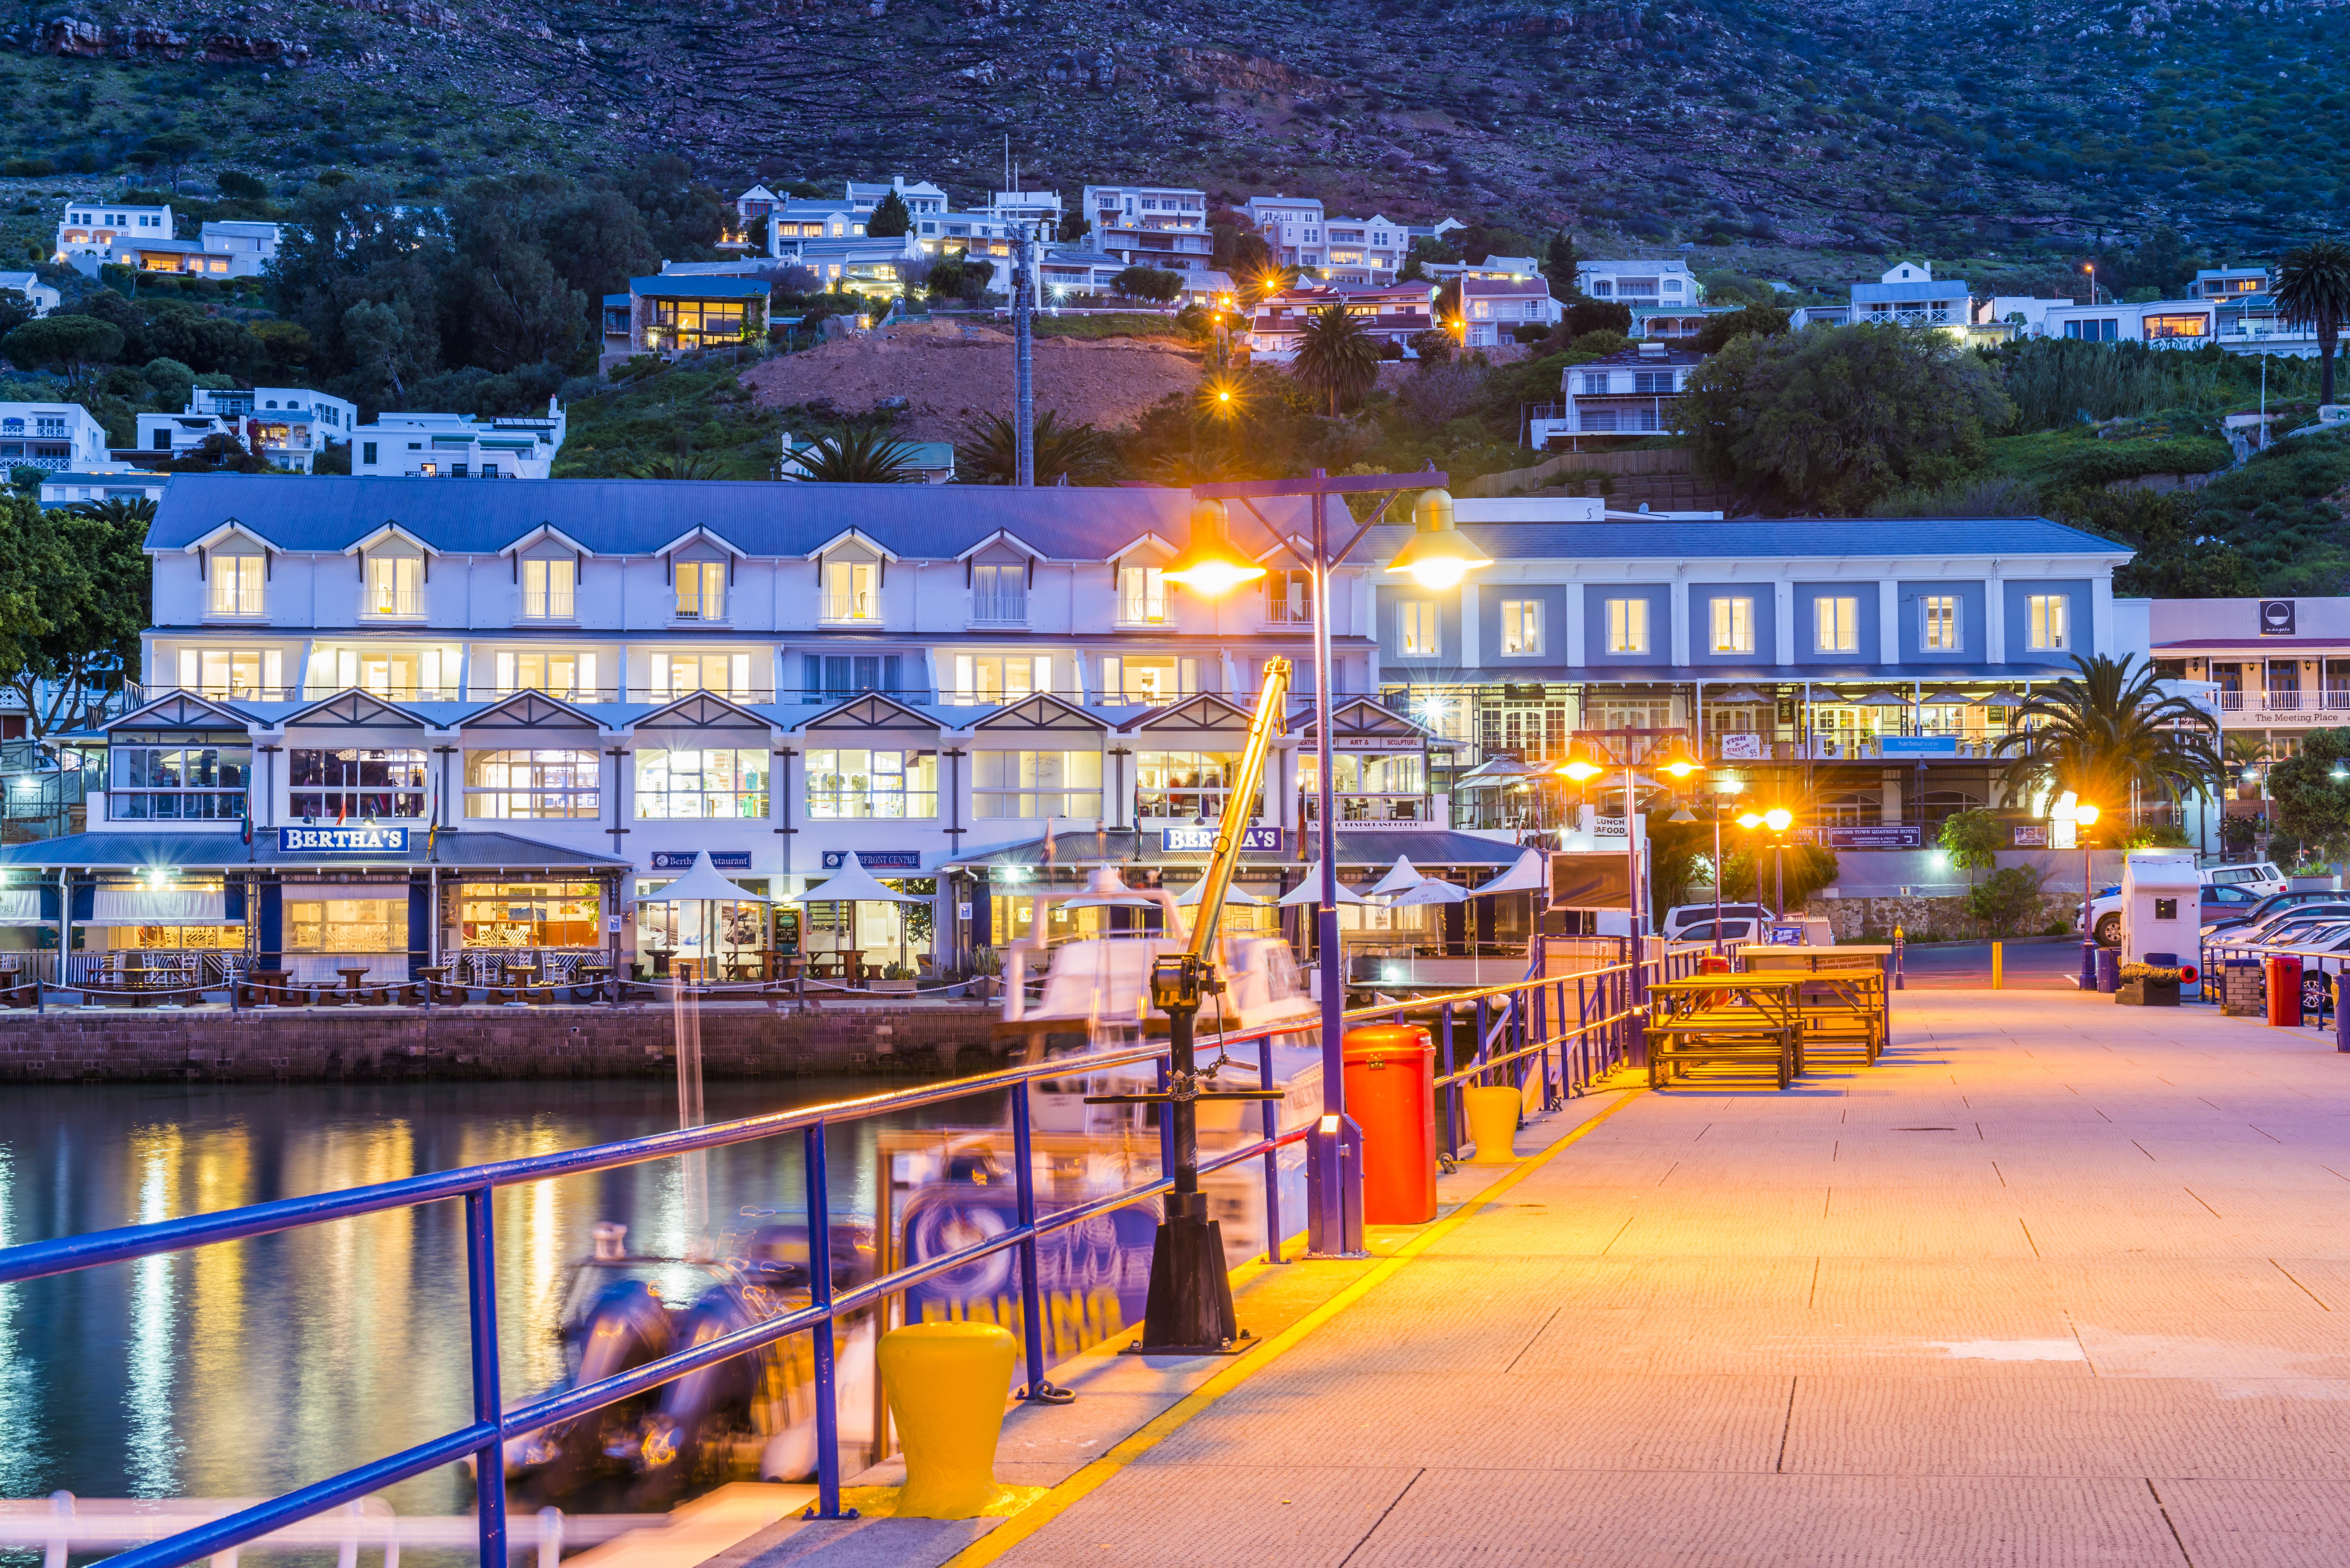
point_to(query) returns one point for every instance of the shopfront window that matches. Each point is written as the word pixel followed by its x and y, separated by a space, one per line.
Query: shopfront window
pixel 540 785
pixel 354 782
pixel 529 915
pixel 1370 786
pixel 180 783
pixel 372 924
pixel 1029 784
pixel 701 782
pixel 1183 785
pixel 869 784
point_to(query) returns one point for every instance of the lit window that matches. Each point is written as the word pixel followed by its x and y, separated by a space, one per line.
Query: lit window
pixel 254 673
pixel 570 676
pixel 547 590
pixel 677 674
pixel 179 784
pixel 1627 625
pixel 702 590
pixel 701 783
pixel 1032 785
pixel 533 784
pixel 852 590
pixel 236 584
pixel 1836 625
pixel 1416 627
pixel 354 783
pixel 1941 621
pixel 1733 626
pixel 1522 627
pixel 1190 786
pixel 2051 616
pixel 868 784
pixel 999 593
pixel 1141 594
pixel 985 678
pixel 395 586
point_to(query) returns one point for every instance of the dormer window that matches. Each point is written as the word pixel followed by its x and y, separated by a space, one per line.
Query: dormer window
pixel 702 590
pixel 547 590
pixel 236 583
pixel 1000 592
pixel 395 586
pixel 1141 594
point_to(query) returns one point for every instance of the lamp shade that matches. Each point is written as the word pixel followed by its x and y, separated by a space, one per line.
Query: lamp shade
pixel 1209 564
pixel 1438 555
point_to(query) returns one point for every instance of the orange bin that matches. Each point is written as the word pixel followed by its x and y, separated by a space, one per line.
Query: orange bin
pixel 2285 991
pixel 1391 1094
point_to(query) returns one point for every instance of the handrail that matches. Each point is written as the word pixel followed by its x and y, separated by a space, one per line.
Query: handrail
pixel 1603 1033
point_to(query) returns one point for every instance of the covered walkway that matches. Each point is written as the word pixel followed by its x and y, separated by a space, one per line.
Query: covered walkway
pixel 2058 1282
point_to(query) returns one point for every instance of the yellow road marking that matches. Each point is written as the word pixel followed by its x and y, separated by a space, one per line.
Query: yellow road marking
pixel 988 1548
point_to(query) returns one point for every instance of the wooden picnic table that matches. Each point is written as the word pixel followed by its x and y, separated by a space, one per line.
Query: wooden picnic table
pixel 1843 991
pixel 1725 1019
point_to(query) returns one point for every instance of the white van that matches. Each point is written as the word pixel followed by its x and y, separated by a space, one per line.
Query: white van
pixel 2259 874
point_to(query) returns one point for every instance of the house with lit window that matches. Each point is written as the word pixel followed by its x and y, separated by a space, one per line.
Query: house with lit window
pixel 2159 324
pixel 458 446
pixel 54 436
pixel 91 228
pixel 1492 309
pixel 1392 313
pixel 1667 283
pixel 287 427
pixel 1631 393
pixel 1909 295
pixel 671 312
pixel 1149 225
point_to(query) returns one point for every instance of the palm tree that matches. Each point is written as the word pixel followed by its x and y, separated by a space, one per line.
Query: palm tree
pixel 988 452
pixel 686 464
pixel 2107 732
pixel 2314 290
pixel 1336 355
pixel 857 455
pixel 128 516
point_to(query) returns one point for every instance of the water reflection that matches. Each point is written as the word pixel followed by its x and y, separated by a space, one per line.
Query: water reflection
pixel 249 1368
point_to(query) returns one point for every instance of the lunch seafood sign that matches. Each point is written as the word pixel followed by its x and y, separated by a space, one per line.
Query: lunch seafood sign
pixel 342 841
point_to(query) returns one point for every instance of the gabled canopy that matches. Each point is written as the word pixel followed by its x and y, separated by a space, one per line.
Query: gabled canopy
pixel 390 530
pixel 696 535
pixel 703 883
pixel 211 540
pixel 1525 876
pixel 1400 875
pixel 853 884
pixel 1005 538
pixel 545 531
pixel 1310 892
pixel 853 536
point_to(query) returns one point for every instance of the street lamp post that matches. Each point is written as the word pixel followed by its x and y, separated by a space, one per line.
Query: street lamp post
pixel 1437 556
pixel 2085 816
pixel 1778 820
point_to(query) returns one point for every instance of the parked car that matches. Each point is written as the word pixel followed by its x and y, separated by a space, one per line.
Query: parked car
pixel 1681 916
pixel 1738 930
pixel 2289 926
pixel 2261 874
pixel 2234 918
pixel 2220 901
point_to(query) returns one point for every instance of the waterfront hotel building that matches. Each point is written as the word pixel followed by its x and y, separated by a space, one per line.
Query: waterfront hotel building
pixel 387 723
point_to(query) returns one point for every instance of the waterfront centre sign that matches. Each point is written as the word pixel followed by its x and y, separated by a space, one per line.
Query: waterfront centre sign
pixel 342 841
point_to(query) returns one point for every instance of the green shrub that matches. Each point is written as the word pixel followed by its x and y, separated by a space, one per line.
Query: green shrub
pixel 2003 899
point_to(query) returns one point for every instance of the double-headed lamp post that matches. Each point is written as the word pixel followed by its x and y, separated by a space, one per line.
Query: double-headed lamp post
pixel 2084 817
pixel 1437 555
pixel 1584 763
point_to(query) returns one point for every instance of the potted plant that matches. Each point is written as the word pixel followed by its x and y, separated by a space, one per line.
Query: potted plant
pixel 2313 878
pixel 2151 984
pixel 895 977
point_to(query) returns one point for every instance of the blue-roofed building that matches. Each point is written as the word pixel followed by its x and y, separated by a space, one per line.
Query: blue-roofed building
pixel 563 688
pixel 679 312
pixel 1909 295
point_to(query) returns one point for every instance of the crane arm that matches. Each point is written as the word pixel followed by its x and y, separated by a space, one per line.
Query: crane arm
pixel 1232 829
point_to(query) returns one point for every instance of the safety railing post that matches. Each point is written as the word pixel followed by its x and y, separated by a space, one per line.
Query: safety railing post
pixel 489 1403
pixel 1023 1189
pixel 1452 1090
pixel 1166 1129
pixel 1271 1111
pixel 827 1399
pixel 1484 1043
pixel 1541 1040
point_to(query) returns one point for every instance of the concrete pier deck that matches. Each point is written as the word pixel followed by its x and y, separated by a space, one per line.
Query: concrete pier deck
pixel 2057 1282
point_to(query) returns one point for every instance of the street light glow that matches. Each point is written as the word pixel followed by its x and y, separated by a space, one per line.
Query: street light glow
pixel 2085 814
pixel 1438 555
pixel 1750 820
pixel 1580 765
pixel 1208 565
pixel 1778 820
pixel 1679 763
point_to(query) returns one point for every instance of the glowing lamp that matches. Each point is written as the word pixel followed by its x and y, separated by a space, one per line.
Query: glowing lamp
pixel 1750 820
pixel 1208 565
pixel 1580 765
pixel 1680 762
pixel 1778 820
pixel 2085 814
pixel 1438 555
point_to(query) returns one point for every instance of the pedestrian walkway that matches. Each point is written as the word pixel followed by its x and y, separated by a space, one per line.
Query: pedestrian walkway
pixel 2057 1282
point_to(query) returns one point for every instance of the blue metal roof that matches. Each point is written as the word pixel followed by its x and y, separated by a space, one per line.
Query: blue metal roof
pixel 1910 293
pixel 1765 537
pixel 637 516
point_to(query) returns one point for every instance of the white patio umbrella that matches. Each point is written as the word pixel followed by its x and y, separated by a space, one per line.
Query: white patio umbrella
pixel 1430 891
pixel 1525 876
pixel 1310 892
pixel 1104 888
pixel 853 884
pixel 1399 877
pixel 1189 897
pixel 701 884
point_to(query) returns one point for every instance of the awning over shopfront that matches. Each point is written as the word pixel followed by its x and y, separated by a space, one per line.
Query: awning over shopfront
pixel 1434 847
pixel 407 847
pixel 160 907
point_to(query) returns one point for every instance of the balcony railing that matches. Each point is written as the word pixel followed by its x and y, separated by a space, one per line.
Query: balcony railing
pixel 395 604
pixel 2334 699
pixel 547 607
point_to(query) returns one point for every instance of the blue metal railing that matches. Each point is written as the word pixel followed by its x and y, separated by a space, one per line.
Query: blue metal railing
pixel 1604 1034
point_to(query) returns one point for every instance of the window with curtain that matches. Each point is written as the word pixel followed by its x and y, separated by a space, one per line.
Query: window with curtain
pixel 1416 634
pixel 851 783
pixel 1141 596
pixel 254 673
pixel 676 674
pixel 354 782
pixel 237 585
pixel 570 676
pixel 535 785
pixel 702 590
pixel 1522 628
pixel 679 783
pixel 395 586
pixel 1627 625
pixel 1733 626
pixel 1014 785
pixel 999 593
pixel 988 678
pixel 1836 625
pixel 852 590
pixel 547 590
pixel 2050 617
pixel 1940 615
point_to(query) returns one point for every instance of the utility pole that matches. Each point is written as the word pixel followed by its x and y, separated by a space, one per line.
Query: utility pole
pixel 1024 369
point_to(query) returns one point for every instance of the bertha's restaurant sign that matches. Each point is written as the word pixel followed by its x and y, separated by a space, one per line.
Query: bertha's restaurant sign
pixel 342 841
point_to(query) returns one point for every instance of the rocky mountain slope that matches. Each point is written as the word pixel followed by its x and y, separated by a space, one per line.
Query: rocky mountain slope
pixel 1951 127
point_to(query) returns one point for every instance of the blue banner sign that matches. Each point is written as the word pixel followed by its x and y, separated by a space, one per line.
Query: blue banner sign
pixel 342 841
pixel 720 859
pixel 1202 840
pixel 1875 836
pixel 875 859
pixel 1918 746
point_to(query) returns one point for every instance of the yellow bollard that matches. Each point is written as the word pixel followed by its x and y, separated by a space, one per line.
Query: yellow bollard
pixel 1998 977
pixel 947 1384
pixel 1493 1124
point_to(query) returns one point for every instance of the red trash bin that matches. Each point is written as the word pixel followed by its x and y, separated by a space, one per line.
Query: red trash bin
pixel 2285 991
pixel 1391 1094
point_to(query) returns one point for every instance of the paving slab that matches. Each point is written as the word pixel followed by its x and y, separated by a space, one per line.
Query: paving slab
pixel 2056 1283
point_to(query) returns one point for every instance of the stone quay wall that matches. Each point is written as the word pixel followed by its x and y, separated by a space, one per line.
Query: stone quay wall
pixel 1924 915
pixel 68 1044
